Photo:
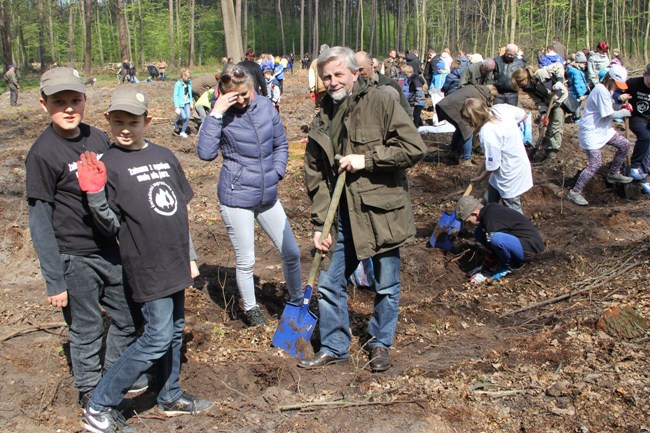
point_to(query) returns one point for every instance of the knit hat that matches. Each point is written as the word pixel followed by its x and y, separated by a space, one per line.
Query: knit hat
pixel 60 79
pixel 465 206
pixel 619 74
pixel 580 57
pixel 128 99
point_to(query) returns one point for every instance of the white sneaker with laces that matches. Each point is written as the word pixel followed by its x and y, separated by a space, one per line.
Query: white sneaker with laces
pixel 183 134
pixel 577 198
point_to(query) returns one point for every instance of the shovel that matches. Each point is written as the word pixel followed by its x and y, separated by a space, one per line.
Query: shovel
pixel 447 227
pixel 297 322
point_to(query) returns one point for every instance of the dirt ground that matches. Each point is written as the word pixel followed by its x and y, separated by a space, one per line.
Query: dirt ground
pixel 464 359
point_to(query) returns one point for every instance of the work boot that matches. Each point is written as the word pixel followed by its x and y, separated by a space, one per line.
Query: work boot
pixel 254 317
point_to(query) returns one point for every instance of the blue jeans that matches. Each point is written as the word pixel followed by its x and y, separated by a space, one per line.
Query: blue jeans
pixel 240 223
pixel 183 120
pixel 334 322
pixel 457 144
pixel 161 341
pixel 507 247
pixel 95 282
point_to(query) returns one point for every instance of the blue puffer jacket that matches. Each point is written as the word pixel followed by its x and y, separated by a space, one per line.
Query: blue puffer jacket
pixel 254 149
pixel 577 81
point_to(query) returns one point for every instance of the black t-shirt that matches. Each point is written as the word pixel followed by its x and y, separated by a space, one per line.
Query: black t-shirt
pixel 148 189
pixel 497 218
pixel 51 176
pixel 640 97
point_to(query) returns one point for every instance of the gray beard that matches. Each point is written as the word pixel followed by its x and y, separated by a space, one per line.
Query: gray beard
pixel 339 97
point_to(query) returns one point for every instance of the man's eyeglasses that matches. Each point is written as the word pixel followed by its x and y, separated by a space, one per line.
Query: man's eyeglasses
pixel 237 73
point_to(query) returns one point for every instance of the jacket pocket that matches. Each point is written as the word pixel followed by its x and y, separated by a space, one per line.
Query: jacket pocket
pixel 364 138
pixel 389 216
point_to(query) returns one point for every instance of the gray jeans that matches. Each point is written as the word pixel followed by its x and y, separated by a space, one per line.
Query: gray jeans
pixel 493 196
pixel 95 283
pixel 240 223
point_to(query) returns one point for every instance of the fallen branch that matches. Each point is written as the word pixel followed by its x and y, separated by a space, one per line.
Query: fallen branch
pixel 245 397
pixel 29 330
pixel 318 405
pixel 498 394
pixel 597 282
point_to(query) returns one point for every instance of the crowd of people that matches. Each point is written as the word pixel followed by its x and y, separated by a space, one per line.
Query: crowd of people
pixel 97 210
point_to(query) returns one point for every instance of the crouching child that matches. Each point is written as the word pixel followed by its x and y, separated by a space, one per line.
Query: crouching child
pixel 510 238
pixel 139 193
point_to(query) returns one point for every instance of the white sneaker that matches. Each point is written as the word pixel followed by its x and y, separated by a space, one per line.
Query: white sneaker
pixel 618 178
pixel 183 134
pixel 577 198
pixel 637 174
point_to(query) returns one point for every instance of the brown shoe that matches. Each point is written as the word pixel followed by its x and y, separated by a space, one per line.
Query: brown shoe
pixel 466 163
pixel 320 360
pixel 379 359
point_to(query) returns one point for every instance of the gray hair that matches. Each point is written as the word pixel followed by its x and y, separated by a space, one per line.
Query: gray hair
pixel 488 63
pixel 512 48
pixel 363 57
pixel 344 54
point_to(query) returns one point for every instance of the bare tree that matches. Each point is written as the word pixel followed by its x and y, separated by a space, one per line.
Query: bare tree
pixel 121 29
pixel 5 33
pixel 71 10
pixel 233 38
pixel 284 45
pixel 88 17
pixel 191 53
pixel 172 62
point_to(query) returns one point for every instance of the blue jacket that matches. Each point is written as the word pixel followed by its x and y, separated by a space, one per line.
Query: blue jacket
pixel 179 93
pixel 549 59
pixel 452 81
pixel 254 150
pixel 577 81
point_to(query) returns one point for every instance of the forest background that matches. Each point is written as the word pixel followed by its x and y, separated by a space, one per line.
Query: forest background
pixel 92 33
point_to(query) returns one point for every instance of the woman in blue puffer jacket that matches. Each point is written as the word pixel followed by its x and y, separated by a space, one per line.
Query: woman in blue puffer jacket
pixel 248 132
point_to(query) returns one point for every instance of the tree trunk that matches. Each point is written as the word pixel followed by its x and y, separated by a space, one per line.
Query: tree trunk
pixel 513 20
pixel 71 10
pixel 245 24
pixel 302 30
pixel 172 61
pixel 315 40
pixel 51 28
pixel 88 51
pixel 238 19
pixel 141 33
pixel 121 29
pixel 233 39
pixel 41 36
pixel 5 33
pixel 99 34
pixel 191 52
pixel 284 45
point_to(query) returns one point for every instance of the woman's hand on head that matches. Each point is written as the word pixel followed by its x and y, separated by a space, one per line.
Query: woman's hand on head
pixel 224 102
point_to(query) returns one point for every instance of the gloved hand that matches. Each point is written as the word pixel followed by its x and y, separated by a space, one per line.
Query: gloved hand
pixel 545 121
pixel 91 172
pixel 312 96
pixel 628 107
pixel 177 111
pixel 478 278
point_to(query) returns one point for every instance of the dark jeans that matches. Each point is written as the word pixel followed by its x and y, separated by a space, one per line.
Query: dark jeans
pixel 95 282
pixel 641 153
pixel 417 118
pixel 161 341
pixel 334 319
pixel 511 98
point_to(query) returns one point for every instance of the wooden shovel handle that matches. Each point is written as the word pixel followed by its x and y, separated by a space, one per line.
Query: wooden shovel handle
pixel 327 225
pixel 468 191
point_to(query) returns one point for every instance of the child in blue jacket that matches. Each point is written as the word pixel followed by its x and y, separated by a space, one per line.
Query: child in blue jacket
pixel 183 103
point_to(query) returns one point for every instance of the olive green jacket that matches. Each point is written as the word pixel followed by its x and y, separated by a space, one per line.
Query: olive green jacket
pixel 377 197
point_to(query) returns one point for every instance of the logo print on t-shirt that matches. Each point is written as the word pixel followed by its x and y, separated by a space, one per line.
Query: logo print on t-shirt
pixel 162 199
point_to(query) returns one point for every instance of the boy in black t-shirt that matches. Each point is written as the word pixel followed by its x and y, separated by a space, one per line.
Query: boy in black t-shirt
pixel 509 237
pixel 139 192
pixel 81 267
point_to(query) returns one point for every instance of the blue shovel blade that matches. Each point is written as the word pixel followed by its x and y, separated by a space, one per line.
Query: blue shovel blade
pixel 442 236
pixel 295 328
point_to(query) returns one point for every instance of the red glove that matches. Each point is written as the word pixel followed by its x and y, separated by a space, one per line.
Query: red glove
pixel 91 172
pixel 312 96
pixel 545 121
pixel 628 107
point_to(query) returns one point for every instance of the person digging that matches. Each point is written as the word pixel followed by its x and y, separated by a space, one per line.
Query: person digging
pixel 510 238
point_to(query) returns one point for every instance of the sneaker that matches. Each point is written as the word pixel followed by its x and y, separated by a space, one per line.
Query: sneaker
pixel 176 132
pixel 109 421
pixel 254 317
pixel 618 178
pixel 186 405
pixel 183 134
pixel 141 384
pixel 645 187
pixel 637 174
pixel 577 198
